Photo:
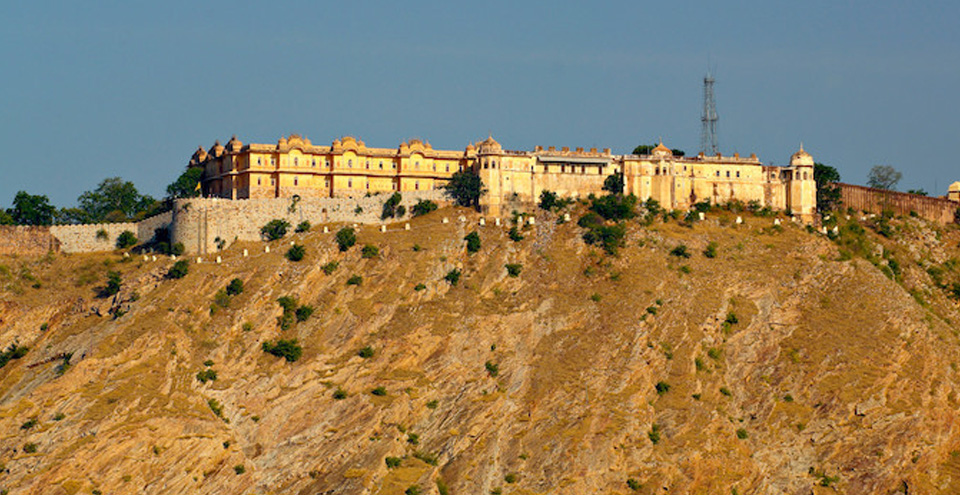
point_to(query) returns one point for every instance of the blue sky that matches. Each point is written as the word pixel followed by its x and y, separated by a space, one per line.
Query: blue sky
pixel 100 89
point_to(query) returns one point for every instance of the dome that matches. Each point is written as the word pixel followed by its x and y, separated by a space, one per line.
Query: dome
pixel 955 187
pixel 216 149
pixel 234 144
pixel 490 145
pixel 801 158
pixel 661 150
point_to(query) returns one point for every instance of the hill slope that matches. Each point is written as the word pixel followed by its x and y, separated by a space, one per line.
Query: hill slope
pixel 788 363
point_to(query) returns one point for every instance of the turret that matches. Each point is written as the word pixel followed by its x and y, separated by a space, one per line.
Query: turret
pixel 802 188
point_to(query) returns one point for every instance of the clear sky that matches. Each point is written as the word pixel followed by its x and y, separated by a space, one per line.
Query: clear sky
pixel 121 88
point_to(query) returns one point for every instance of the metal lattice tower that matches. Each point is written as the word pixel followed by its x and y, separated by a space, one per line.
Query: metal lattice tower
pixel 708 133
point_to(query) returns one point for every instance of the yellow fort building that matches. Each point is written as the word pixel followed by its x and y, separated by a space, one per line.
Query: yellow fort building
pixel 348 168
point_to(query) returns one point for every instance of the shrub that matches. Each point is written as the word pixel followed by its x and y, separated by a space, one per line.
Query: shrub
pixel 680 251
pixel 296 252
pixel 442 487
pixel 15 351
pixel 339 394
pixel 102 235
pixel 548 200
pixel 235 287
pixel 654 433
pixel 207 375
pixel 30 448
pixel 515 234
pixel 595 297
pixel 287 349
pixel 423 207
pixel 662 387
pixel 208 363
pixel 419 287
pixel 393 462
pixel 615 207
pixel 453 277
pixel 711 251
pixel 126 239
pixel 179 270
pixel 432 404
pixel 414 489
pixel 274 229
pixel 355 280
pixel 742 433
pixel 370 251
pixel 304 313
pixel 366 352
pixel 473 242
pixel 510 478
pixel 330 267
pixel 513 269
pixel 713 353
pixel 726 391
pixel 493 369
pixel 634 484
pixel 390 206
pixel 346 238
pixel 113 285
pixel 611 238
pixel 30 423
pixel 379 391
pixel 413 439
pixel 221 299
pixel 239 469
pixel 288 303
pixel 303 226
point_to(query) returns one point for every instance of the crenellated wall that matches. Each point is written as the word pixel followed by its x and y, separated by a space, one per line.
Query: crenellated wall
pixel 876 200
pixel 199 223
pixel 27 240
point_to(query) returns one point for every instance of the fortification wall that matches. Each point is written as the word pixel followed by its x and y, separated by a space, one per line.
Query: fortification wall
pixel 27 240
pixel 199 223
pixel 876 200
pixel 87 238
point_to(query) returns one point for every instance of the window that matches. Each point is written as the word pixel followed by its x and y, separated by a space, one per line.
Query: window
pixel 368 185
pixel 258 181
pixel 448 167
pixel 738 173
pixel 273 161
pixel 368 164
pixel 416 185
pixel 381 165
pixel 350 163
pixel 434 167
pixel 728 174
pixel 258 160
pixel 273 181
pixel 718 173
pixel 296 181
pixel 296 161
pixel 804 176
pixel 563 168
pixel 350 183
pixel 326 163
pixel 583 169
pixel 314 164
pixel 417 165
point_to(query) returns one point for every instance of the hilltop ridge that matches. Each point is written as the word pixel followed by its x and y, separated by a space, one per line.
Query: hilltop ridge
pixel 783 362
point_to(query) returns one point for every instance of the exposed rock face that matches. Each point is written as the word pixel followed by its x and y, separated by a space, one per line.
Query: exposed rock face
pixel 771 368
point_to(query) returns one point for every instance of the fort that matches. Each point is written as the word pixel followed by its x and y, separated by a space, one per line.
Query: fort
pixel 244 186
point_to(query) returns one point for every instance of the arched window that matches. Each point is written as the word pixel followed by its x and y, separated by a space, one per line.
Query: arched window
pixel 258 160
pixel 417 165
pixel 258 181
pixel 273 161
pixel 381 165
pixel 728 174
pixel 295 161
pixel 368 185
pixel 738 173
pixel 494 164
pixel 718 173
pixel 434 167
pixel 350 183
pixel 296 181
pixel 804 176
pixel 350 163
pixel 448 167
pixel 416 185
pixel 313 163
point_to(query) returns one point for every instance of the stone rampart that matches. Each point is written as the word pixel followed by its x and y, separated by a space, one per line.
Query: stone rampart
pixel 201 223
pixel 25 240
pixel 877 200
pixel 88 238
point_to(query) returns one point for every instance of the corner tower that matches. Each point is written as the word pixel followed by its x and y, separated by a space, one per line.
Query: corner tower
pixel 489 160
pixel 801 186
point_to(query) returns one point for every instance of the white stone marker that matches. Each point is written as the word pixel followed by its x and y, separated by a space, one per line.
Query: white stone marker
pixel 823 230
pixel 219 260
pixel 245 253
pixel 483 222
pixel 383 228
pixel 406 226
pixel 566 217
pixel 199 260
pixel 154 258
pixel 445 220
pixel 776 221
pixel 356 226
pixel 173 257
pixel 326 230
pixel 497 221
pixel 701 215
pixel 836 231
pixel 739 220
pixel 126 255
pixel 266 249
pixel 533 220
pixel 146 258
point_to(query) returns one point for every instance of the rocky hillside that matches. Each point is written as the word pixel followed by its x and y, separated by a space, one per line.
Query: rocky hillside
pixel 757 358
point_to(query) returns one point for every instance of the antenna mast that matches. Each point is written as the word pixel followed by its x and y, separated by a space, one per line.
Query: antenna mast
pixel 708 133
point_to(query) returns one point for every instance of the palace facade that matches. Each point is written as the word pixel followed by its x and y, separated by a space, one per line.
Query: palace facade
pixel 348 168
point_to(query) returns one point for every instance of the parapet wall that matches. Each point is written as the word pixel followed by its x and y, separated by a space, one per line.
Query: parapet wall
pixel 876 200
pixel 103 236
pixel 200 223
pixel 27 240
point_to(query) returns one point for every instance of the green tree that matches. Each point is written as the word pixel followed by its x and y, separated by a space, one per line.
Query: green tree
pixel 390 206
pixel 5 218
pixel 274 229
pixel 126 239
pixel 186 185
pixel 423 207
pixel 29 209
pixel 884 177
pixel 828 193
pixel 465 188
pixel 346 238
pixel 115 200
pixel 614 183
pixel 918 192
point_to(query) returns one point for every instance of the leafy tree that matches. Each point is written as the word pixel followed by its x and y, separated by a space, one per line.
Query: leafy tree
pixel 287 349
pixel 115 200
pixel 29 209
pixel 296 252
pixel 646 149
pixel 614 183
pixel 114 282
pixel 828 193
pixel 423 207
pixel 346 238
pixel 465 188
pixel 303 226
pixel 126 239
pixel 235 287
pixel 615 207
pixel 610 237
pixel 390 206
pixel 369 251
pixel 453 277
pixel 548 200
pixel 918 192
pixel 473 242
pixel 5 218
pixel 884 177
pixel 275 229
pixel 178 270
pixel 186 185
